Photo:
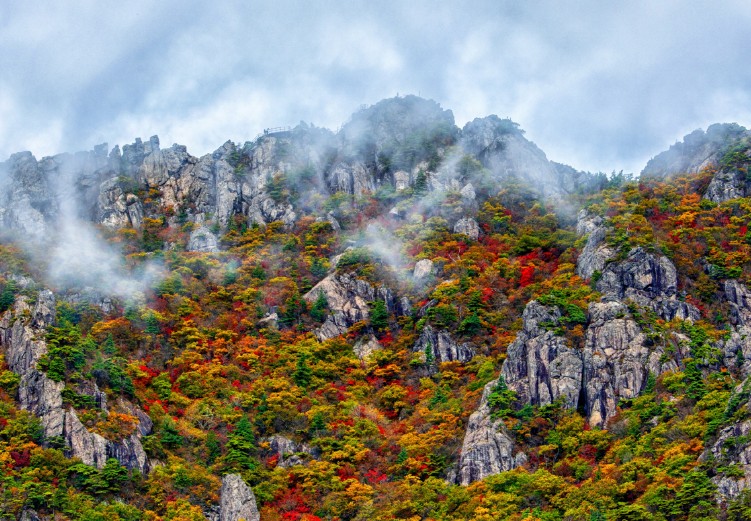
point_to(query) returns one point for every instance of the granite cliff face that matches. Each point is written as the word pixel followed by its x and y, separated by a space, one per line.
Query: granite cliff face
pixel 737 348
pixel 617 357
pixel 539 366
pixel 22 337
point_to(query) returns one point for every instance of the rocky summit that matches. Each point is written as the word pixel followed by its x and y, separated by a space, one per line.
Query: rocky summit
pixel 403 319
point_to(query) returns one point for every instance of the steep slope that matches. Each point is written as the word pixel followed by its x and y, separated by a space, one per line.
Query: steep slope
pixel 383 323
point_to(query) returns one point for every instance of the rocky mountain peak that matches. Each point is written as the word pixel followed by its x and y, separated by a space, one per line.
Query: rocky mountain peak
pixel 699 150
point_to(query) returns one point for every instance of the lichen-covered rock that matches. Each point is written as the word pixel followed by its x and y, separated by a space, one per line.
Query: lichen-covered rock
pixel 488 448
pixel 469 227
pixel 28 202
pixel 117 209
pixel 739 297
pixel 443 346
pixel 24 340
pixel 348 299
pixel 539 366
pixel 618 359
pixel 649 280
pixel 29 515
pixel 201 239
pixel 366 346
pixel 237 500
pixel 42 397
pixel 351 178
pixel 401 180
pixel 468 192
pixel 80 443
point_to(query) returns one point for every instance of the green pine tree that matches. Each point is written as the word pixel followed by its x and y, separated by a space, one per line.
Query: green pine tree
pixel 318 311
pixel 379 316
pixel 303 373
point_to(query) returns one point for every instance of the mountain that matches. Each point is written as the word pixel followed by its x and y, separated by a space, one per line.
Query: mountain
pixel 402 319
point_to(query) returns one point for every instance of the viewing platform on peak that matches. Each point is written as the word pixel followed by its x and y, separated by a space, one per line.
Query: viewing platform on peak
pixel 274 131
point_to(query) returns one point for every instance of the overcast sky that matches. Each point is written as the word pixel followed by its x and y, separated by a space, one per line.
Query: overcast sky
pixel 597 85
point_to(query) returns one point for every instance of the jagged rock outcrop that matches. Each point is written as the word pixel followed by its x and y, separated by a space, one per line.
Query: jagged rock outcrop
pixel 617 355
pixel 702 150
pixel 348 299
pixel 22 336
pixel 617 361
pixel 649 280
pixel 468 192
pixel 488 447
pixel 289 452
pixel 698 150
pixel 383 135
pixel 469 227
pixel 116 208
pixel 443 346
pixel 27 204
pixel 596 251
pixel 29 515
pixel 539 366
pixel 237 500
pixel 42 397
pixel 350 178
pixel 122 189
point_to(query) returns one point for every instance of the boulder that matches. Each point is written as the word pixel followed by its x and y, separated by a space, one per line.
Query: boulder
pixel 423 269
pixel 288 451
pixel 469 227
